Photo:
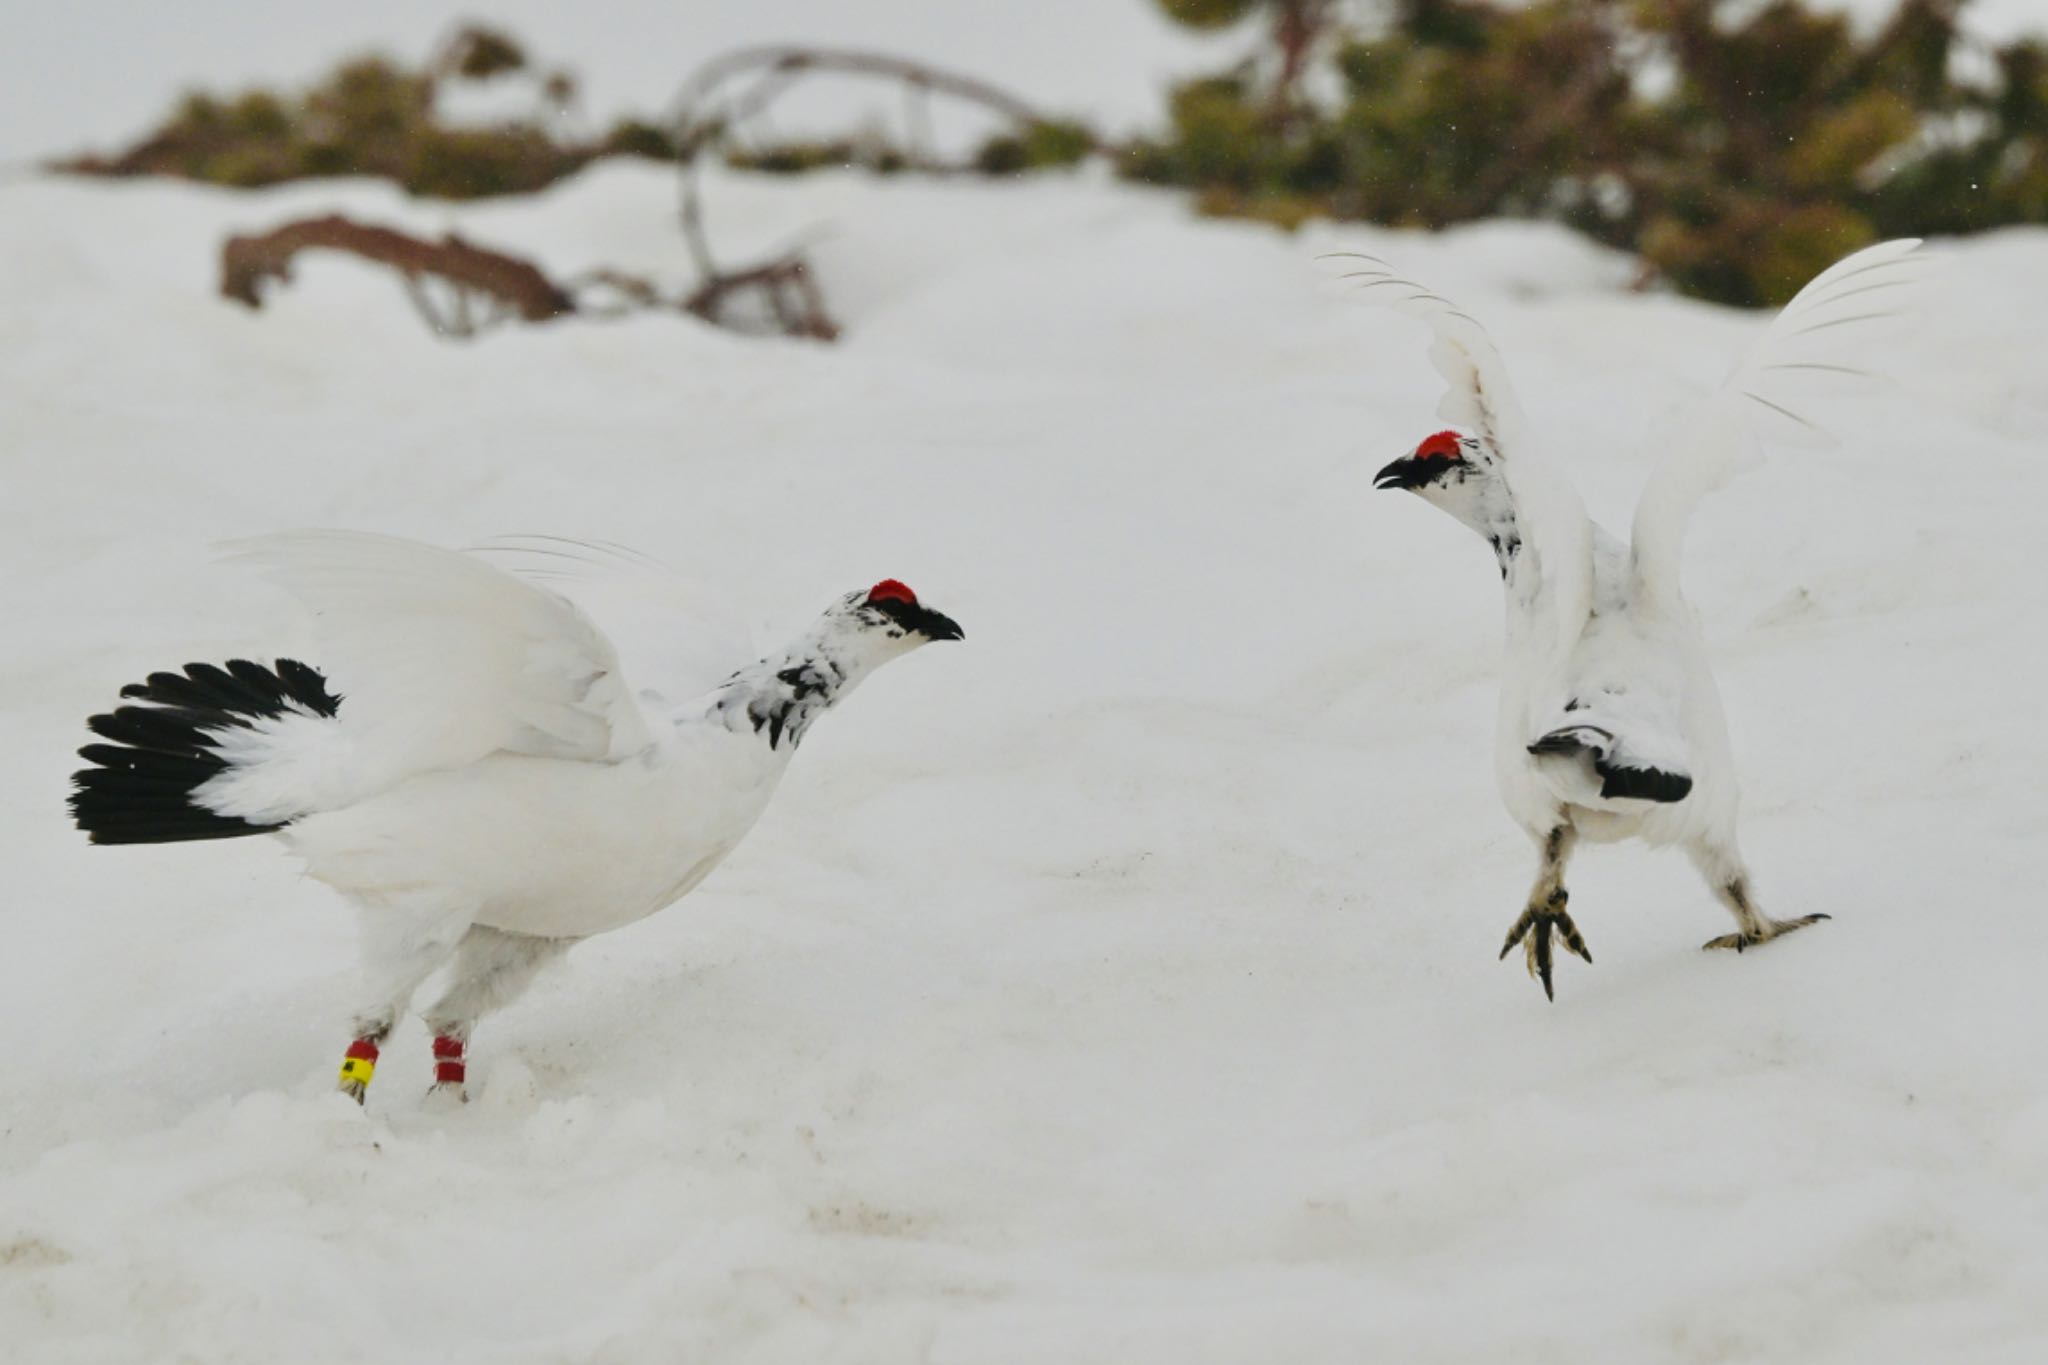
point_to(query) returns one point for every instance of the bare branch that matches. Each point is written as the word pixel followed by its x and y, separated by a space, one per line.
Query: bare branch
pixel 247 263
pixel 726 93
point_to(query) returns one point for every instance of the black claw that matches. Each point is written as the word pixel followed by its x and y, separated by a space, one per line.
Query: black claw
pixel 1542 924
pixel 1741 942
pixel 1518 932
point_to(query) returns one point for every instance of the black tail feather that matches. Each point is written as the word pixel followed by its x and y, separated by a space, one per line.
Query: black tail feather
pixel 1643 784
pixel 140 789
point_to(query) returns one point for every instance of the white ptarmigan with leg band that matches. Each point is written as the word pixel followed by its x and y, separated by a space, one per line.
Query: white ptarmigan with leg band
pixel 480 777
pixel 1610 726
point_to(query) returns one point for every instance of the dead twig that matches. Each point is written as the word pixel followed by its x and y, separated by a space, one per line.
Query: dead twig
pixel 460 289
pixel 728 92
pixel 786 284
pixel 483 288
pixel 472 272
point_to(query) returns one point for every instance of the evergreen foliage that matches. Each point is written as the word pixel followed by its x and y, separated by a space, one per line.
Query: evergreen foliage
pixel 370 117
pixel 1738 148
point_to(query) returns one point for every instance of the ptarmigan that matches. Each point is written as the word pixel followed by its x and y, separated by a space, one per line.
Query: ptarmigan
pixel 479 777
pixel 1610 726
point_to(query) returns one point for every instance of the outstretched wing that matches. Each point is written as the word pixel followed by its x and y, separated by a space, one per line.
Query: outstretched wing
pixel 1818 345
pixel 440 659
pixel 674 636
pixel 1479 398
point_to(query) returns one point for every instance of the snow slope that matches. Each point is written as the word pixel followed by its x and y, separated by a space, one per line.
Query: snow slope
pixel 1118 986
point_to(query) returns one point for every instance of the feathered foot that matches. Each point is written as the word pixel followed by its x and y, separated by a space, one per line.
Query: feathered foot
pixel 1766 930
pixel 1533 932
pixel 358 1065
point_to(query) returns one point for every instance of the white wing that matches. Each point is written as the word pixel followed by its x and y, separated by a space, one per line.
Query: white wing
pixel 673 635
pixel 1812 348
pixel 440 659
pixel 1480 399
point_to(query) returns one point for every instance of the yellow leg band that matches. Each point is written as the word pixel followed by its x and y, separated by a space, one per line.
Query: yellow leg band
pixel 357 1069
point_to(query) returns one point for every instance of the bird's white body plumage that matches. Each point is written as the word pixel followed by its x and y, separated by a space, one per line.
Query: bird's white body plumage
pixel 491 784
pixel 1638 669
pixel 491 756
pixel 551 847
pixel 1610 726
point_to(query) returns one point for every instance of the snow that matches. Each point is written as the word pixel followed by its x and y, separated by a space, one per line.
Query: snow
pixel 1118 985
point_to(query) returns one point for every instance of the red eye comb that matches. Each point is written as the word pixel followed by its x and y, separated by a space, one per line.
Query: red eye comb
pixel 890 590
pixel 1445 445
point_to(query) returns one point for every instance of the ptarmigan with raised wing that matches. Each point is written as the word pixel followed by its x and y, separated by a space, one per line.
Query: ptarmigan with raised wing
pixel 1610 726
pixel 480 778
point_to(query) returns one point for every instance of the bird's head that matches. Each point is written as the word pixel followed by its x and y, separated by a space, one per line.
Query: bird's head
pixel 1436 467
pixel 1460 474
pixel 887 620
pixel 861 631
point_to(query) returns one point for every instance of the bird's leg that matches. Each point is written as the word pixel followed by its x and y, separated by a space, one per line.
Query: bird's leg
pixel 491 968
pixel 403 943
pixel 1546 913
pixel 359 1062
pixel 451 1063
pixel 1756 927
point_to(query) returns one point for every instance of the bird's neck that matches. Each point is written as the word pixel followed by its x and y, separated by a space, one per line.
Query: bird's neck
pixel 1505 536
pixel 1487 506
pixel 779 696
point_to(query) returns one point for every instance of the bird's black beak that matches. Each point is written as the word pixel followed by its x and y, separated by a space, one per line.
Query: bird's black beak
pixel 1412 472
pixel 1402 473
pixel 936 625
pixel 914 615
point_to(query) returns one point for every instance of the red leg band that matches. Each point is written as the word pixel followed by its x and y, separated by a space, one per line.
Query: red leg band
pixel 362 1049
pixel 449 1068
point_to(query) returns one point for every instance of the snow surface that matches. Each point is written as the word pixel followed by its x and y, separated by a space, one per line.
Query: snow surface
pixel 1118 986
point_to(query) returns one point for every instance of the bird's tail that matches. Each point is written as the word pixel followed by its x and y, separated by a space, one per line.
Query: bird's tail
pixel 145 786
pixel 1624 773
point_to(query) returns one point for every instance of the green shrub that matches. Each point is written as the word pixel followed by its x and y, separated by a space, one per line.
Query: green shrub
pixel 1206 13
pixel 473 164
pixel 1041 145
pixel 369 117
pixel 1777 138
pixel 633 137
pixel 1781 139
